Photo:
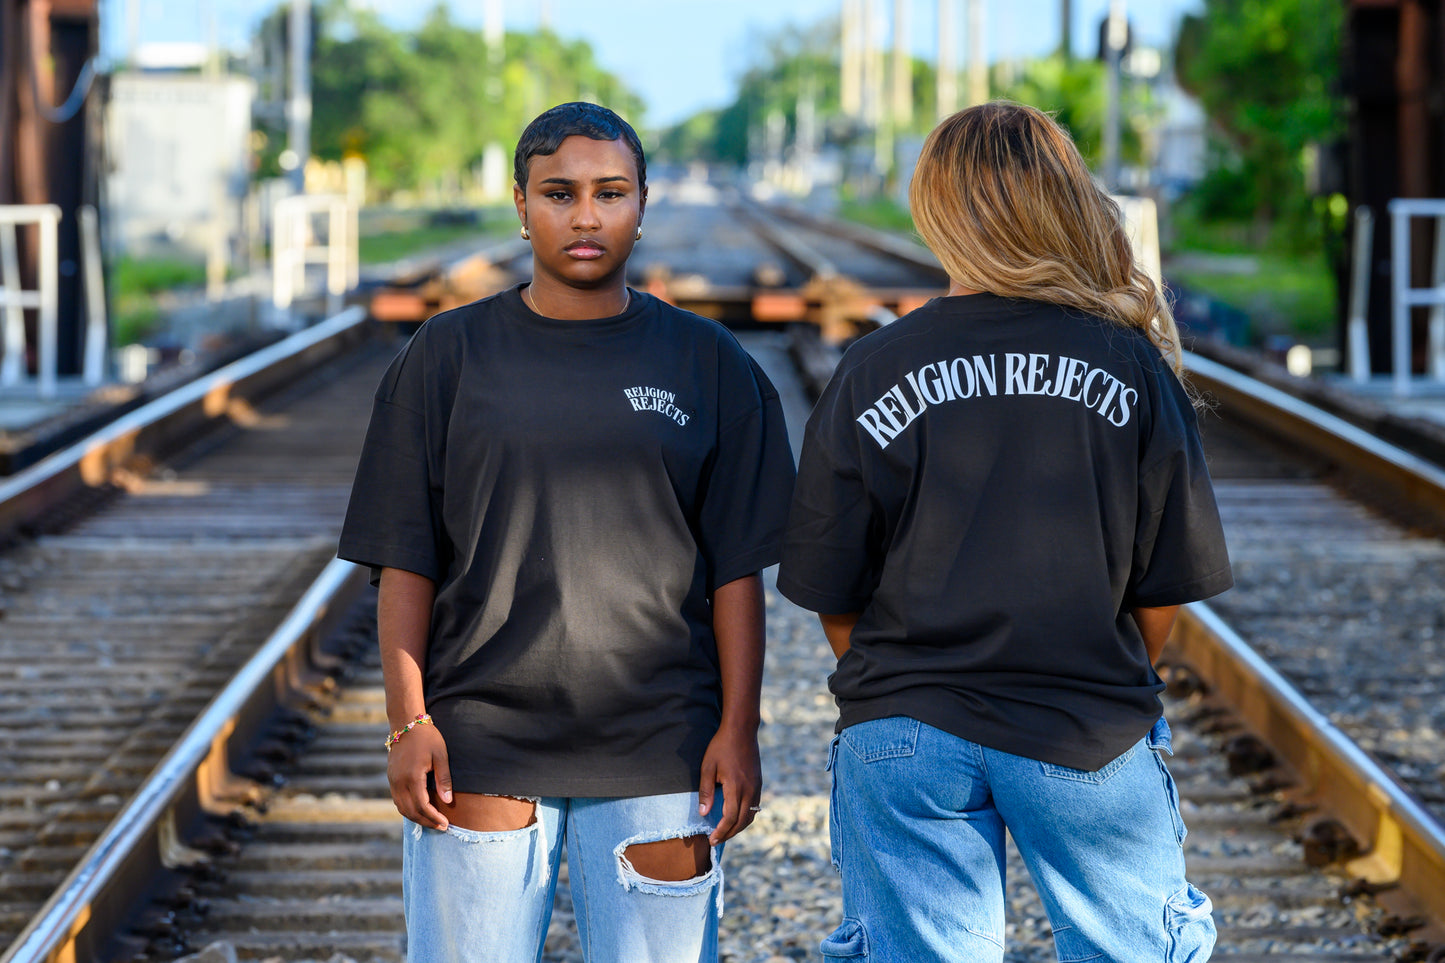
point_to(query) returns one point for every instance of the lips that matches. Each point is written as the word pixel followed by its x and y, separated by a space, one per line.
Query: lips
pixel 585 249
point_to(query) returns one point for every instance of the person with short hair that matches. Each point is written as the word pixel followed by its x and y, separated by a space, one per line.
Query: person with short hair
pixel 1002 501
pixel 568 490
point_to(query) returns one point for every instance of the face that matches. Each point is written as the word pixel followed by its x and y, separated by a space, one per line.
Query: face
pixel 582 207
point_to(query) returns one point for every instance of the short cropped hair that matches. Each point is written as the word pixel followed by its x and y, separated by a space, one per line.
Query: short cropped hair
pixel 1004 201
pixel 546 133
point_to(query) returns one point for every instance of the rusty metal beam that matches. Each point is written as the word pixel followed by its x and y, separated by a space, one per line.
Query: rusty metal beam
pixel 74 9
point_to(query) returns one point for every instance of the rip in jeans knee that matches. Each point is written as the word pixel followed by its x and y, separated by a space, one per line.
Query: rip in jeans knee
pixel 632 880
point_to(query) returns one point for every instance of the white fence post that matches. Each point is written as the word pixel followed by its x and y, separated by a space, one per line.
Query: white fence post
pixel 1436 346
pixel 49 302
pixel 1357 329
pixel 96 334
pixel 1141 223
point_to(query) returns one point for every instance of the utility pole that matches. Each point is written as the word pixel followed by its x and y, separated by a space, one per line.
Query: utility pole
pixel 902 67
pixel 872 67
pixel 977 64
pixel 875 105
pixel 132 30
pixel 298 109
pixel 851 94
pixel 494 158
pixel 1116 32
pixel 1066 30
pixel 947 67
pixel 805 141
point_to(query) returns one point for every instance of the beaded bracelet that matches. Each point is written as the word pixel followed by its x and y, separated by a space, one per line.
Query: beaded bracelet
pixel 422 719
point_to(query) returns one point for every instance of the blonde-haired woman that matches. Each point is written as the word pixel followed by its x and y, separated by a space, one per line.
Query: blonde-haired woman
pixel 1001 503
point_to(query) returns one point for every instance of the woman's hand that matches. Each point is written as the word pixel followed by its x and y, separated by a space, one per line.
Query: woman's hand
pixel 732 761
pixel 420 751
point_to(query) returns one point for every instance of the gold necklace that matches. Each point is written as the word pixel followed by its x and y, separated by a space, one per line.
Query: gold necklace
pixel 527 296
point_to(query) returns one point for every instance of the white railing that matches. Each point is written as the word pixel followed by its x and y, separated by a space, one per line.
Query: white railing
pixel 1404 296
pixel 296 243
pixel 15 297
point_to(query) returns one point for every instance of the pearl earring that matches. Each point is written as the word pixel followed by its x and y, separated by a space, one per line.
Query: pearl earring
pixel 639 233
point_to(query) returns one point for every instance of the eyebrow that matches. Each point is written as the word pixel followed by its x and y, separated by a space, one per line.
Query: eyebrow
pixel 569 182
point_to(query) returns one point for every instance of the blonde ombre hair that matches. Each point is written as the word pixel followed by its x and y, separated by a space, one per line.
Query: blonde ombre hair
pixel 1004 201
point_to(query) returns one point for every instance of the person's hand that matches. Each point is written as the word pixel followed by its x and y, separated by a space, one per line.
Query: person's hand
pixel 731 761
pixel 420 751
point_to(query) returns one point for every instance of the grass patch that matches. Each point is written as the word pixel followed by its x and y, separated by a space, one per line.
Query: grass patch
pixel 879 212
pixel 393 245
pixel 1292 295
pixel 1290 289
pixel 137 284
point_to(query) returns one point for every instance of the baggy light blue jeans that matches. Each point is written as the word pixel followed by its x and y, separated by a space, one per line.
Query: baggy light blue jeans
pixel 917 824
pixel 471 896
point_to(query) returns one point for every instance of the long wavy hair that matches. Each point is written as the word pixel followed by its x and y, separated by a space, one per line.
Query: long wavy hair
pixel 1004 201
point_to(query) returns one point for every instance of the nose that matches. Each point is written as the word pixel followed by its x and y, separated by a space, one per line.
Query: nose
pixel 585 215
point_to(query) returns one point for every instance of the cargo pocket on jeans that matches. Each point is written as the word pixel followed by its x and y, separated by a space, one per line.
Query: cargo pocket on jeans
pixel 848 942
pixel 1190 925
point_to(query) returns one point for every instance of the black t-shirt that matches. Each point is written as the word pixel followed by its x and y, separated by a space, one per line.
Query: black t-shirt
pixel 994 484
pixel 576 490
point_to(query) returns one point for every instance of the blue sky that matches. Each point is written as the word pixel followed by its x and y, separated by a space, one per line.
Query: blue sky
pixel 679 55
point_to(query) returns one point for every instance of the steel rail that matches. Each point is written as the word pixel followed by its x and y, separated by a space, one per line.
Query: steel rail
pixel 159 425
pixel 1402 843
pixel 1420 483
pixel 83 913
pixel 785 241
pixel 891 245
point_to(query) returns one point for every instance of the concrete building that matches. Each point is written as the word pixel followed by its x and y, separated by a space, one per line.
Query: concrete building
pixel 180 153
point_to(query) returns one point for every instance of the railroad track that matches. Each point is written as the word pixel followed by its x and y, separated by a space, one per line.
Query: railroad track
pixel 1340 590
pixel 720 254
pixel 120 624
pixel 308 869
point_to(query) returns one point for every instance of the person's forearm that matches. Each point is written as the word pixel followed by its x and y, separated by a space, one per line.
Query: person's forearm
pixel 1155 625
pixel 839 630
pixel 737 619
pixel 403 624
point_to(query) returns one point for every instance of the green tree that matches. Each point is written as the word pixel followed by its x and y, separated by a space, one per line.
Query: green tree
pixel 1265 71
pixel 1073 91
pixel 422 106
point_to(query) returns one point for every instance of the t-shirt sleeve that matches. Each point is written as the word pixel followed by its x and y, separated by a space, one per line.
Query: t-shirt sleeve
pixel 744 505
pixel 1179 548
pixel 827 564
pixel 393 519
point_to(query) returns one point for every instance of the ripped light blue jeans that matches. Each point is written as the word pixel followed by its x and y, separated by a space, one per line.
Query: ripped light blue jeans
pixel 917 823
pixel 473 896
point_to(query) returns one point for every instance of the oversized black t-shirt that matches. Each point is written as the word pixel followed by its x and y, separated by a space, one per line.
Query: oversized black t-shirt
pixel 994 484
pixel 576 490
